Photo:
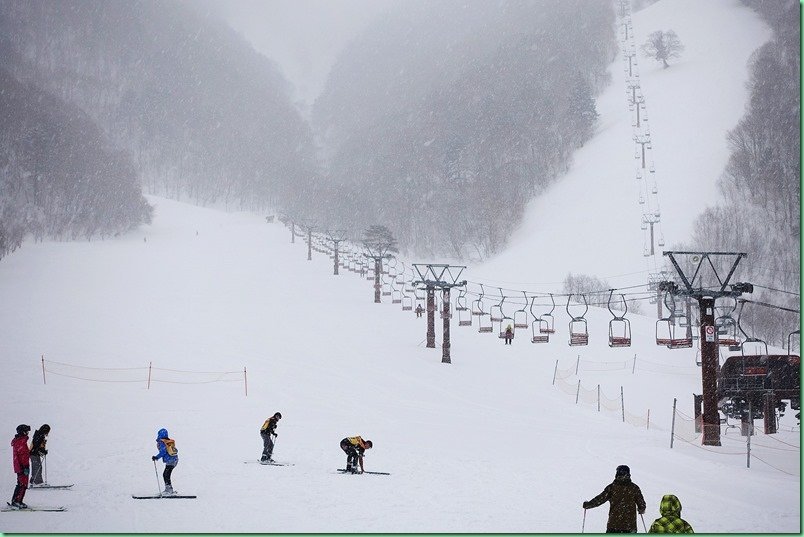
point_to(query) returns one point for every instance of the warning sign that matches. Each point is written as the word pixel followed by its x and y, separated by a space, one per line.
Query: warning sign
pixel 709 331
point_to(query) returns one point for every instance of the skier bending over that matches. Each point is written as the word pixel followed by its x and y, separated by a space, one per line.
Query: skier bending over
pixel 169 454
pixel 355 447
pixel 38 450
pixel 625 500
pixel 267 431
pixel 22 461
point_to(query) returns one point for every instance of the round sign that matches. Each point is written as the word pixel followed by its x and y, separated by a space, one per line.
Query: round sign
pixel 710 330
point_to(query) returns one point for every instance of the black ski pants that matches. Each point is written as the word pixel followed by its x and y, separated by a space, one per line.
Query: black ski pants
pixel 36 469
pixel 267 445
pixel 166 474
pixel 351 454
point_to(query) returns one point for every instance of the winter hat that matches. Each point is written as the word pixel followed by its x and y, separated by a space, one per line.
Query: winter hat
pixel 623 471
pixel 23 429
pixel 278 415
pixel 45 428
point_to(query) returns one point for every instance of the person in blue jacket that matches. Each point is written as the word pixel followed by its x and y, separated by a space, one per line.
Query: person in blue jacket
pixel 169 454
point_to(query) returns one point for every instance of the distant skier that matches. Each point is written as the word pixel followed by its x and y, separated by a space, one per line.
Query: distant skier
pixel 625 500
pixel 509 334
pixel 268 433
pixel 169 454
pixel 38 450
pixel 355 447
pixel 22 462
pixel 419 310
pixel 670 521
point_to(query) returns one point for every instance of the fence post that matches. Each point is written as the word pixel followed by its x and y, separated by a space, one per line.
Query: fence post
pixel 673 424
pixel 245 380
pixel 577 363
pixel 554 373
pixel 149 374
pixel 622 402
pixel 633 368
pixel 598 397
pixel 578 391
pixel 648 425
pixel 750 433
pixel 44 380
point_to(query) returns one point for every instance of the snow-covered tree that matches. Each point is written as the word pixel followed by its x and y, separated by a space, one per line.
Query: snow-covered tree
pixel 663 46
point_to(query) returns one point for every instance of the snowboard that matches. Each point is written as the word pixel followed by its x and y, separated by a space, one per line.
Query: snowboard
pixel 52 487
pixel 165 497
pixel 32 508
pixel 343 471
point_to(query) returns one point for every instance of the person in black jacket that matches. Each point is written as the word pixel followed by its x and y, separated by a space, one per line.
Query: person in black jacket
pixel 38 450
pixel 268 433
pixel 625 499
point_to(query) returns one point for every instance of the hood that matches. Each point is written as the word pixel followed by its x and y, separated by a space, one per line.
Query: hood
pixel 670 506
pixel 162 434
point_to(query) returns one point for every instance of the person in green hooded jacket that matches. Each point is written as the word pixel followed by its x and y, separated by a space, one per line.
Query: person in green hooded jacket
pixel 670 521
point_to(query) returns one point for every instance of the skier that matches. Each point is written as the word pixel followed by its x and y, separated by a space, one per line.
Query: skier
pixel 268 430
pixel 355 447
pixel 625 500
pixel 169 454
pixel 22 461
pixel 670 521
pixel 419 310
pixel 38 450
pixel 509 334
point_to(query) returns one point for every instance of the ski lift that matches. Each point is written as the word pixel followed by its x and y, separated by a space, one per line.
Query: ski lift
pixel 483 322
pixel 460 302
pixel 521 315
pixel 666 328
pixel 654 189
pixel 641 199
pixel 753 341
pixel 496 311
pixel 477 305
pixel 419 296
pixel 396 296
pixel 464 317
pixel 661 240
pixel 789 336
pixel 407 303
pixel 505 322
pixel 727 329
pixel 538 327
pixel 548 327
pixel 619 326
pixel 652 169
pixel 579 335
pixel 386 287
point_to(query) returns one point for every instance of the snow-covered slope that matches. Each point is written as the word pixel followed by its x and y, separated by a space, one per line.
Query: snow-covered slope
pixel 589 221
pixel 485 444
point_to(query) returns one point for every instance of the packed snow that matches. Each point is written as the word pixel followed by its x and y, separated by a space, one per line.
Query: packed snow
pixel 493 442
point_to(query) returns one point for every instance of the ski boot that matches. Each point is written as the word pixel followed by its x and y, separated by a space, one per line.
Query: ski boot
pixel 168 491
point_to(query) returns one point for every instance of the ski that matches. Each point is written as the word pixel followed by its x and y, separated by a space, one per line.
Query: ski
pixel 270 463
pixel 343 471
pixel 10 508
pixel 46 486
pixel 161 496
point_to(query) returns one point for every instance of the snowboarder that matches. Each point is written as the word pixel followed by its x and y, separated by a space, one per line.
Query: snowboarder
pixel 22 462
pixel 38 450
pixel 268 433
pixel 169 454
pixel 419 310
pixel 355 447
pixel 509 334
pixel 670 521
pixel 625 500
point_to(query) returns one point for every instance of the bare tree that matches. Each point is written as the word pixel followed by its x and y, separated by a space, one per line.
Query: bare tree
pixel 663 46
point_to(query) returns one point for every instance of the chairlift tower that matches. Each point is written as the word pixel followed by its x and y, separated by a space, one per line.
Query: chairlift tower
pixel 309 228
pixel 434 276
pixel 336 237
pixel 642 140
pixel 649 219
pixel 377 271
pixel 706 297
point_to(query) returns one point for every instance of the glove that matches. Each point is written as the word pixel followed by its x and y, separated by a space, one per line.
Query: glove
pixel 26 471
pixel 586 505
pixel 275 435
pixel 154 457
pixel 44 452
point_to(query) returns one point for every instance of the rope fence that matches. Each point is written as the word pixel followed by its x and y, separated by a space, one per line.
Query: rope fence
pixel 146 374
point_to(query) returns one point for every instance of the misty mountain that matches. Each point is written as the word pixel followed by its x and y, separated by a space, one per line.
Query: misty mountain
pixel 59 176
pixel 443 119
pixel 201 114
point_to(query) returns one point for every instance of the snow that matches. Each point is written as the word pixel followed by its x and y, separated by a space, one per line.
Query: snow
pixel 485 444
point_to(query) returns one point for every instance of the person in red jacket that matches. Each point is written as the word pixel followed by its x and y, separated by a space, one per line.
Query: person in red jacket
pixel 22 464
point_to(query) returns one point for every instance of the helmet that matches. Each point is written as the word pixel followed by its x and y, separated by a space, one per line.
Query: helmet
pixel 369 444
pixel 45 428
pixel 162 433
pixel 23 429
pixel 278 415
pixel 622 471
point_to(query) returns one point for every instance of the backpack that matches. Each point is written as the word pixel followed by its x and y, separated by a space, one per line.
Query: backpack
pixel 170 447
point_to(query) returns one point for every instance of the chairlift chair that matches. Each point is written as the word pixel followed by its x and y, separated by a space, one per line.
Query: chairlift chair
pixel 619 326
pixel 578 330
pixel 407 303
pixel 484 324
pixel 396 297
pixel 496 310
pixel 548 327
pixel 505 322
pixel 538 336
pixel 464 317
pixel 521 315
pixel 460 302
pixel 727 329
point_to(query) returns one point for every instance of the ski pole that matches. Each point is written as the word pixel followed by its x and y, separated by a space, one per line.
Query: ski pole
pixel 158 486
pixel 643 523
pixel 584 521
pixel 44 466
